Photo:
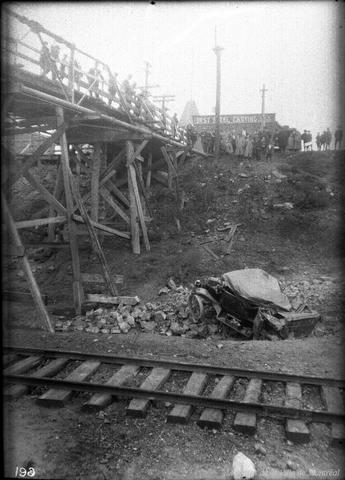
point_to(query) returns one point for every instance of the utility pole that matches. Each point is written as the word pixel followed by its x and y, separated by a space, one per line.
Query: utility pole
pixel 147 73
pixel 263 91
pixel 217 50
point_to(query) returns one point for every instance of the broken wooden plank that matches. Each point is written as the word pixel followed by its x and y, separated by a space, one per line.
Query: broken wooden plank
pixel 334 403
pixel 181 413
pixel 98 298
pixel 22 366
pixel 97 278
pixel 246 422
pixel 138 407
pixel 296 430
pixel 213 417
pixel 57 397
pixel 23 297
pixel 208 250
pixel 49 370
pixel 102 400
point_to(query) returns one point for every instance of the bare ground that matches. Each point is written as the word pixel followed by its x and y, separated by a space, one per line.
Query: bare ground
pixel 298 245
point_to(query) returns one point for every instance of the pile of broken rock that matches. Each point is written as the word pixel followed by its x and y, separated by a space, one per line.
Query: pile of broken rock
pixel 170 316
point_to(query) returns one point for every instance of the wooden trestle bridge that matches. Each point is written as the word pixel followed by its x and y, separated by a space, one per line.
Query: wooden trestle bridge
pixel 76 100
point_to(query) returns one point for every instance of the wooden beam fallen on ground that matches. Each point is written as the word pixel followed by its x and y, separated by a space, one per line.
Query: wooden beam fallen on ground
pixel 97 298
pixel 97 278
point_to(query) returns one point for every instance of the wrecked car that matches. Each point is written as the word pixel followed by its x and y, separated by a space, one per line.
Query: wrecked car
pixel 251 304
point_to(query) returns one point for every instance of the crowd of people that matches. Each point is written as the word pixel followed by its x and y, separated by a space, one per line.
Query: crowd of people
pixel 101 83
pixel 324 140
pixel 258 145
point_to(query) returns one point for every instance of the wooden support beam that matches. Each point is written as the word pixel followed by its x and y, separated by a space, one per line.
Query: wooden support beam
pixel 40 151
pixel 58 190
pixel 135 236
pixel 40 221
pixel 103 228
pixel 96 166
pixel 56 205
pixel 139 206
pixel 110 200
pixel 149 171
pixel 111 287
pixel 116 191
pixel 26 266
pixel 66 171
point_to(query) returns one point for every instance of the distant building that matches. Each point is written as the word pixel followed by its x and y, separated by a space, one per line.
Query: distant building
pixel 190 110
pixel 249 122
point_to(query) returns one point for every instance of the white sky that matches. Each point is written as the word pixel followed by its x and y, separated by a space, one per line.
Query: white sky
pixel 289 46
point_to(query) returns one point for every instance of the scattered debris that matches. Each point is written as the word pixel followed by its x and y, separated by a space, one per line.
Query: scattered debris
pixel 243 467
pixel 284 206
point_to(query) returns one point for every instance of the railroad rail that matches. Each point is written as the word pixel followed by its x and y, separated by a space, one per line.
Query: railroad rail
pixel 142 380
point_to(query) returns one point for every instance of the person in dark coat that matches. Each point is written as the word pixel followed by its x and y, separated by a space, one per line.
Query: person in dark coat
pixel 328 139
pixel 45 62
pixel 318 141
pixel 338 138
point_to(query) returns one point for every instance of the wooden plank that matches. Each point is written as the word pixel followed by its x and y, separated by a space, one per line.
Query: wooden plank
pixel 24 297
pixel 102 400
pixel 36 294
pixel 106 195
pixel 135 235
pixel 13 250
pixel 66 172
pixel 40 221
pixel 213 417
pixel 56 397
pixel 208 250
pixel 296 430
pixel 139 207
pixel 97 278
pixel 246 422
pixel 49 370
pixel 97 298
pixel 22 366
pixel 138 407
pixel 334 403
pixel 195 385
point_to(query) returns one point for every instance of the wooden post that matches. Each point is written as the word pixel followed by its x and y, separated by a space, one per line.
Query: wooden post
pixel 26 267
pixel 96 166
pixel 77 286
pixel 149 171
pixel 135 238
pixel 58 189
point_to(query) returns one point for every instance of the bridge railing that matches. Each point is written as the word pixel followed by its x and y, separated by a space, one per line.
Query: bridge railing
pixel 81 76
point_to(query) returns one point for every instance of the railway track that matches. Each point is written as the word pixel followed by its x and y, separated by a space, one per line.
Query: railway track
pixel 215 390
